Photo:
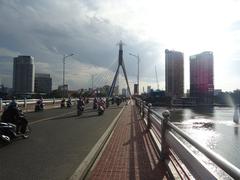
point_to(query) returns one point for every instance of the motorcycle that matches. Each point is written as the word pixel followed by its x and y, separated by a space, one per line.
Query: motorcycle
pixel 39 106
pixel 107 103
pixel 8 131
pixel 100 110
pixel 86 101
pixel 62 103
pixel 69 104
pixel 95 105
pixel 80 110
pixel 118 101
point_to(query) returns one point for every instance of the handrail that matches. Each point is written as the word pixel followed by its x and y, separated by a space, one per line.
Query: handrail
pixel 24 103
pixel 216 158
pixel 225 165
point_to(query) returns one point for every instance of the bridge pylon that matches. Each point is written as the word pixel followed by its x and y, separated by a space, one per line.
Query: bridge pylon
pixel 120 64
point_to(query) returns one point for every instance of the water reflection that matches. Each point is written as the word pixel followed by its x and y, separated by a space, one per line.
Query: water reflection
pixel 211 127
pixel 206 111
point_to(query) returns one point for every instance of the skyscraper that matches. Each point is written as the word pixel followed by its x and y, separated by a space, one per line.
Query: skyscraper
pixel 174 73
pixel 43 83
pixel 148 89
pixel 23 74
pixel 124 92
pixel 201 77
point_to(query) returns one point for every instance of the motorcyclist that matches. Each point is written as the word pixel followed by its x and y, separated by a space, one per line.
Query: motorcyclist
pixel 86 100
pixel 40 103
pixel 95 102
pixel 101 102
pixel 63 103
pixel 118 101
pixel 112 100
pixel 13 115
pixel 107 103
pixel 80 103
pixel 101 106
pixel 69 102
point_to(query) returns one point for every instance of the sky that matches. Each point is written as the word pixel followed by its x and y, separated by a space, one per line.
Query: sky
pixel 91 30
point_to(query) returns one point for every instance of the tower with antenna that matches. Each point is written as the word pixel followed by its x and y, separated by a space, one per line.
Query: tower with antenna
pixel 120 64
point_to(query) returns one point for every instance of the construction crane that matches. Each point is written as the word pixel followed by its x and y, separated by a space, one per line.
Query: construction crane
pixel 156 78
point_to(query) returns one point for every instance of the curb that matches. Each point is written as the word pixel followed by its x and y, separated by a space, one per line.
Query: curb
pixel 83 169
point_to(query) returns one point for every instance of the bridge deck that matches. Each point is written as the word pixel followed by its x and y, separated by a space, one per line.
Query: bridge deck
pixel 130 153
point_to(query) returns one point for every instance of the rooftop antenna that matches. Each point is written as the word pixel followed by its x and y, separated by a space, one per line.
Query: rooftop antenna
pixel 156 78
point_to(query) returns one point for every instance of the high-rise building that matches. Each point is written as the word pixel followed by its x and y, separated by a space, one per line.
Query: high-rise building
pixel 174 73
pixel 63 90
pixel 124 92
pixel 135 89
pixel 43 83
pixel 23 74
pixel 148 89
pixel 201 77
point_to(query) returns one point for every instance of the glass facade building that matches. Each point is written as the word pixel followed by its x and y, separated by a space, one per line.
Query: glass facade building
pixel 174 73
pixel 202 77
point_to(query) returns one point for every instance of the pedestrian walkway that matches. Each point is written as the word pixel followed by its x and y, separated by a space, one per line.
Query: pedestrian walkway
pixel 130 153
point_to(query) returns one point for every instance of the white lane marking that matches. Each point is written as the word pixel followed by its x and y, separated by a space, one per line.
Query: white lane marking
pixel 49 118
pixel 53 117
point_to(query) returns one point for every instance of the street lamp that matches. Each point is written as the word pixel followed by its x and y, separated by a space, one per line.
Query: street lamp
pixel 64 58
pixel 138 60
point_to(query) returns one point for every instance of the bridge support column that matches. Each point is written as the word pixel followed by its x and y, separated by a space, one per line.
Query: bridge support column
pixel 164 152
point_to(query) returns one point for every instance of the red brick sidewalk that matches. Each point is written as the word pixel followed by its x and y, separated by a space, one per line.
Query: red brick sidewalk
pixel 129 153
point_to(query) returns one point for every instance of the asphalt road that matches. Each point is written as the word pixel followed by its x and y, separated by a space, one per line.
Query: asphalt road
pixel 59 142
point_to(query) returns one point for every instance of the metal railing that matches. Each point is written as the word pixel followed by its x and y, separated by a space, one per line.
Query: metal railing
pixel 171 144
pixel 29 104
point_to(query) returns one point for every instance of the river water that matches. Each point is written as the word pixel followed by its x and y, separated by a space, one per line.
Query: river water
pixel 211 127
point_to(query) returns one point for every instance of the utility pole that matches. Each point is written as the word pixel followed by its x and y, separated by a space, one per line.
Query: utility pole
pixel 64 59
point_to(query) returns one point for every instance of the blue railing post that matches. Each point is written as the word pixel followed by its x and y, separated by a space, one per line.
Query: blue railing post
pixel 164 148
pixel 148 116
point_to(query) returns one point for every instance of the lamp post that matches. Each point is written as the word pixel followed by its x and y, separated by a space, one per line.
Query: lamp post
pixel 138 60
pixel 92 76
pixel 64 59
